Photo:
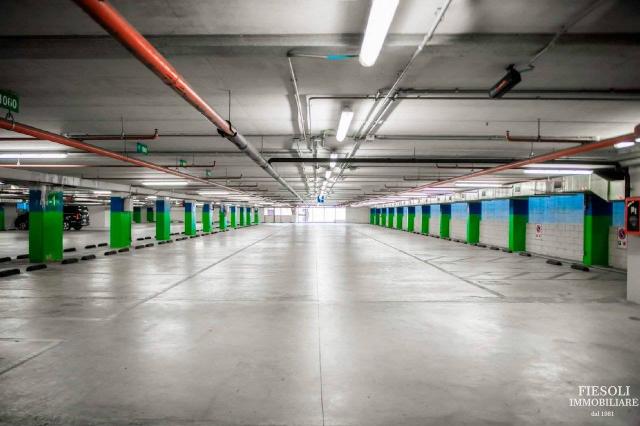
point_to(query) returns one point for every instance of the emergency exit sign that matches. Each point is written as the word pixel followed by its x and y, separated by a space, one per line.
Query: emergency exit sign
pixel 142 148
pixel 9 100
pixel 183 163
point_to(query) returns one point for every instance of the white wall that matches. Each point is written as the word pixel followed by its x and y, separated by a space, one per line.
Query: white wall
pixel 358 215
pixel 494 232
pixel 458 229
pixel 98 217
pixel 434 225
pixel 563 240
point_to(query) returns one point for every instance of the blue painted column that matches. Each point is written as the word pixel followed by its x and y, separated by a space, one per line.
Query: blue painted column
pixel 120 222
pixel 163 219
pixel 206 217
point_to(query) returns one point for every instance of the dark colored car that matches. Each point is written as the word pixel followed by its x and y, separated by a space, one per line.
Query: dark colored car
pixel 74 217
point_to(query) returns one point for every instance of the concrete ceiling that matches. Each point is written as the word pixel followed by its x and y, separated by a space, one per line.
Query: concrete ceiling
pixel 73 78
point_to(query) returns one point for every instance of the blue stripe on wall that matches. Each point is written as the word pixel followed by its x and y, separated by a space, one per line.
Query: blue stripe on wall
pixel 617 217
pixel 495 210
pixel 557 209
pixel 459 211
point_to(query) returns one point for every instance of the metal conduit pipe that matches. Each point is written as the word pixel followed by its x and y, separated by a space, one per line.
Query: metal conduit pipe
pixel 123 137
pixel 74 143
pixel 412 160
pixel 115 24
pixel 378 110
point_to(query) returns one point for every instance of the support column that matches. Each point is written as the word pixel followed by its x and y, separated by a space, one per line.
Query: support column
pixel 390 211
pixel 473 222
pixel 518 218
pixel 233 217
pixel 137 214
pixel 383 216
pixel 411 218
pixel 120 222
pixel 3 227
pixel 150 214
pixel 399 213
pixel 597 219
pixel 45 224
pixel 222 217
pixel 241 216
pixel 163 219
pixel 426 215
pixel 206 217
pixel 372 216
pixel 247 220
pixel 190 217
pixel 256 215
pixel 445 219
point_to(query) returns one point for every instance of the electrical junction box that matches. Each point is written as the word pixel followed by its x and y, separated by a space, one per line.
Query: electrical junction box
pixel 632 215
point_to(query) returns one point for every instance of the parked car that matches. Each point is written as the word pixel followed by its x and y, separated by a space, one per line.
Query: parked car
pixel 74 217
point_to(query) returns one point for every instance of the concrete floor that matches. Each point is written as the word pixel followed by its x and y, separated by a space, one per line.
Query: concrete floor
pixel 311 325
pixel 13 243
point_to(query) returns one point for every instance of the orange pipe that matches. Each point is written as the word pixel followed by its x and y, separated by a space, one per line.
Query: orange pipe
pixel 116 25
pixel 74 143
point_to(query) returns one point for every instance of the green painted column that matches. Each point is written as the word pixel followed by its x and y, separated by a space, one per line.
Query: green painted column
pixel 518 218
pixel 473 222
pixel 377 218
pixel 3 227
pixel 445 220
pixel 424 222
pixel 383 216
pixel 222 217
pixel 240 216
pixel 256 215
pixel 190 218
pixel 233 218
pixel 247 211
pixel 390 217
pixel 206 217
pixel 411 218
pixel 45 224
pixel 150 214
pixel 399 214
pixel 120 222
pixel 137 214
pixel 597 220
pixel 372 216
pixel 163 219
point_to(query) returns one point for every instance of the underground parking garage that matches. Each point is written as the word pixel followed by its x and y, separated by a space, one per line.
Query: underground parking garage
pixel 365 212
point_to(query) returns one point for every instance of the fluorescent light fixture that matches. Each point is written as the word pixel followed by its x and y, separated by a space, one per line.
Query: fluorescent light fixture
pixel 327 174
pixel 625 144
pixel 343 126
pixel 333 156
pixel 152 197
pixel 561 166
pixel 214 192
pixel 558 172
pixel 19 156
pixel 477 185
pixel 100 192
pixel 380 17
pixel 165 183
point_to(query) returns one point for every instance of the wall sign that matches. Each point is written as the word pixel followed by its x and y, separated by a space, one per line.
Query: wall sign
pixel 621 238
pixel 142 148
pixel 9 100
pixel 538 230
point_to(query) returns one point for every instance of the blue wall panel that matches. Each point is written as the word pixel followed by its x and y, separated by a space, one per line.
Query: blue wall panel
pixel 617 217
pixel 459 211
pixel 495 210
pixel 557 209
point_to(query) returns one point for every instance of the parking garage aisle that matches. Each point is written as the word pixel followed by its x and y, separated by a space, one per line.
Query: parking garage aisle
pixel 312 324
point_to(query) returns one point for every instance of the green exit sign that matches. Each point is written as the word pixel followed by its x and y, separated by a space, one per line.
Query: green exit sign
pixel 142 148
pixel 9 100
pixel 208 173
pixel 183 163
